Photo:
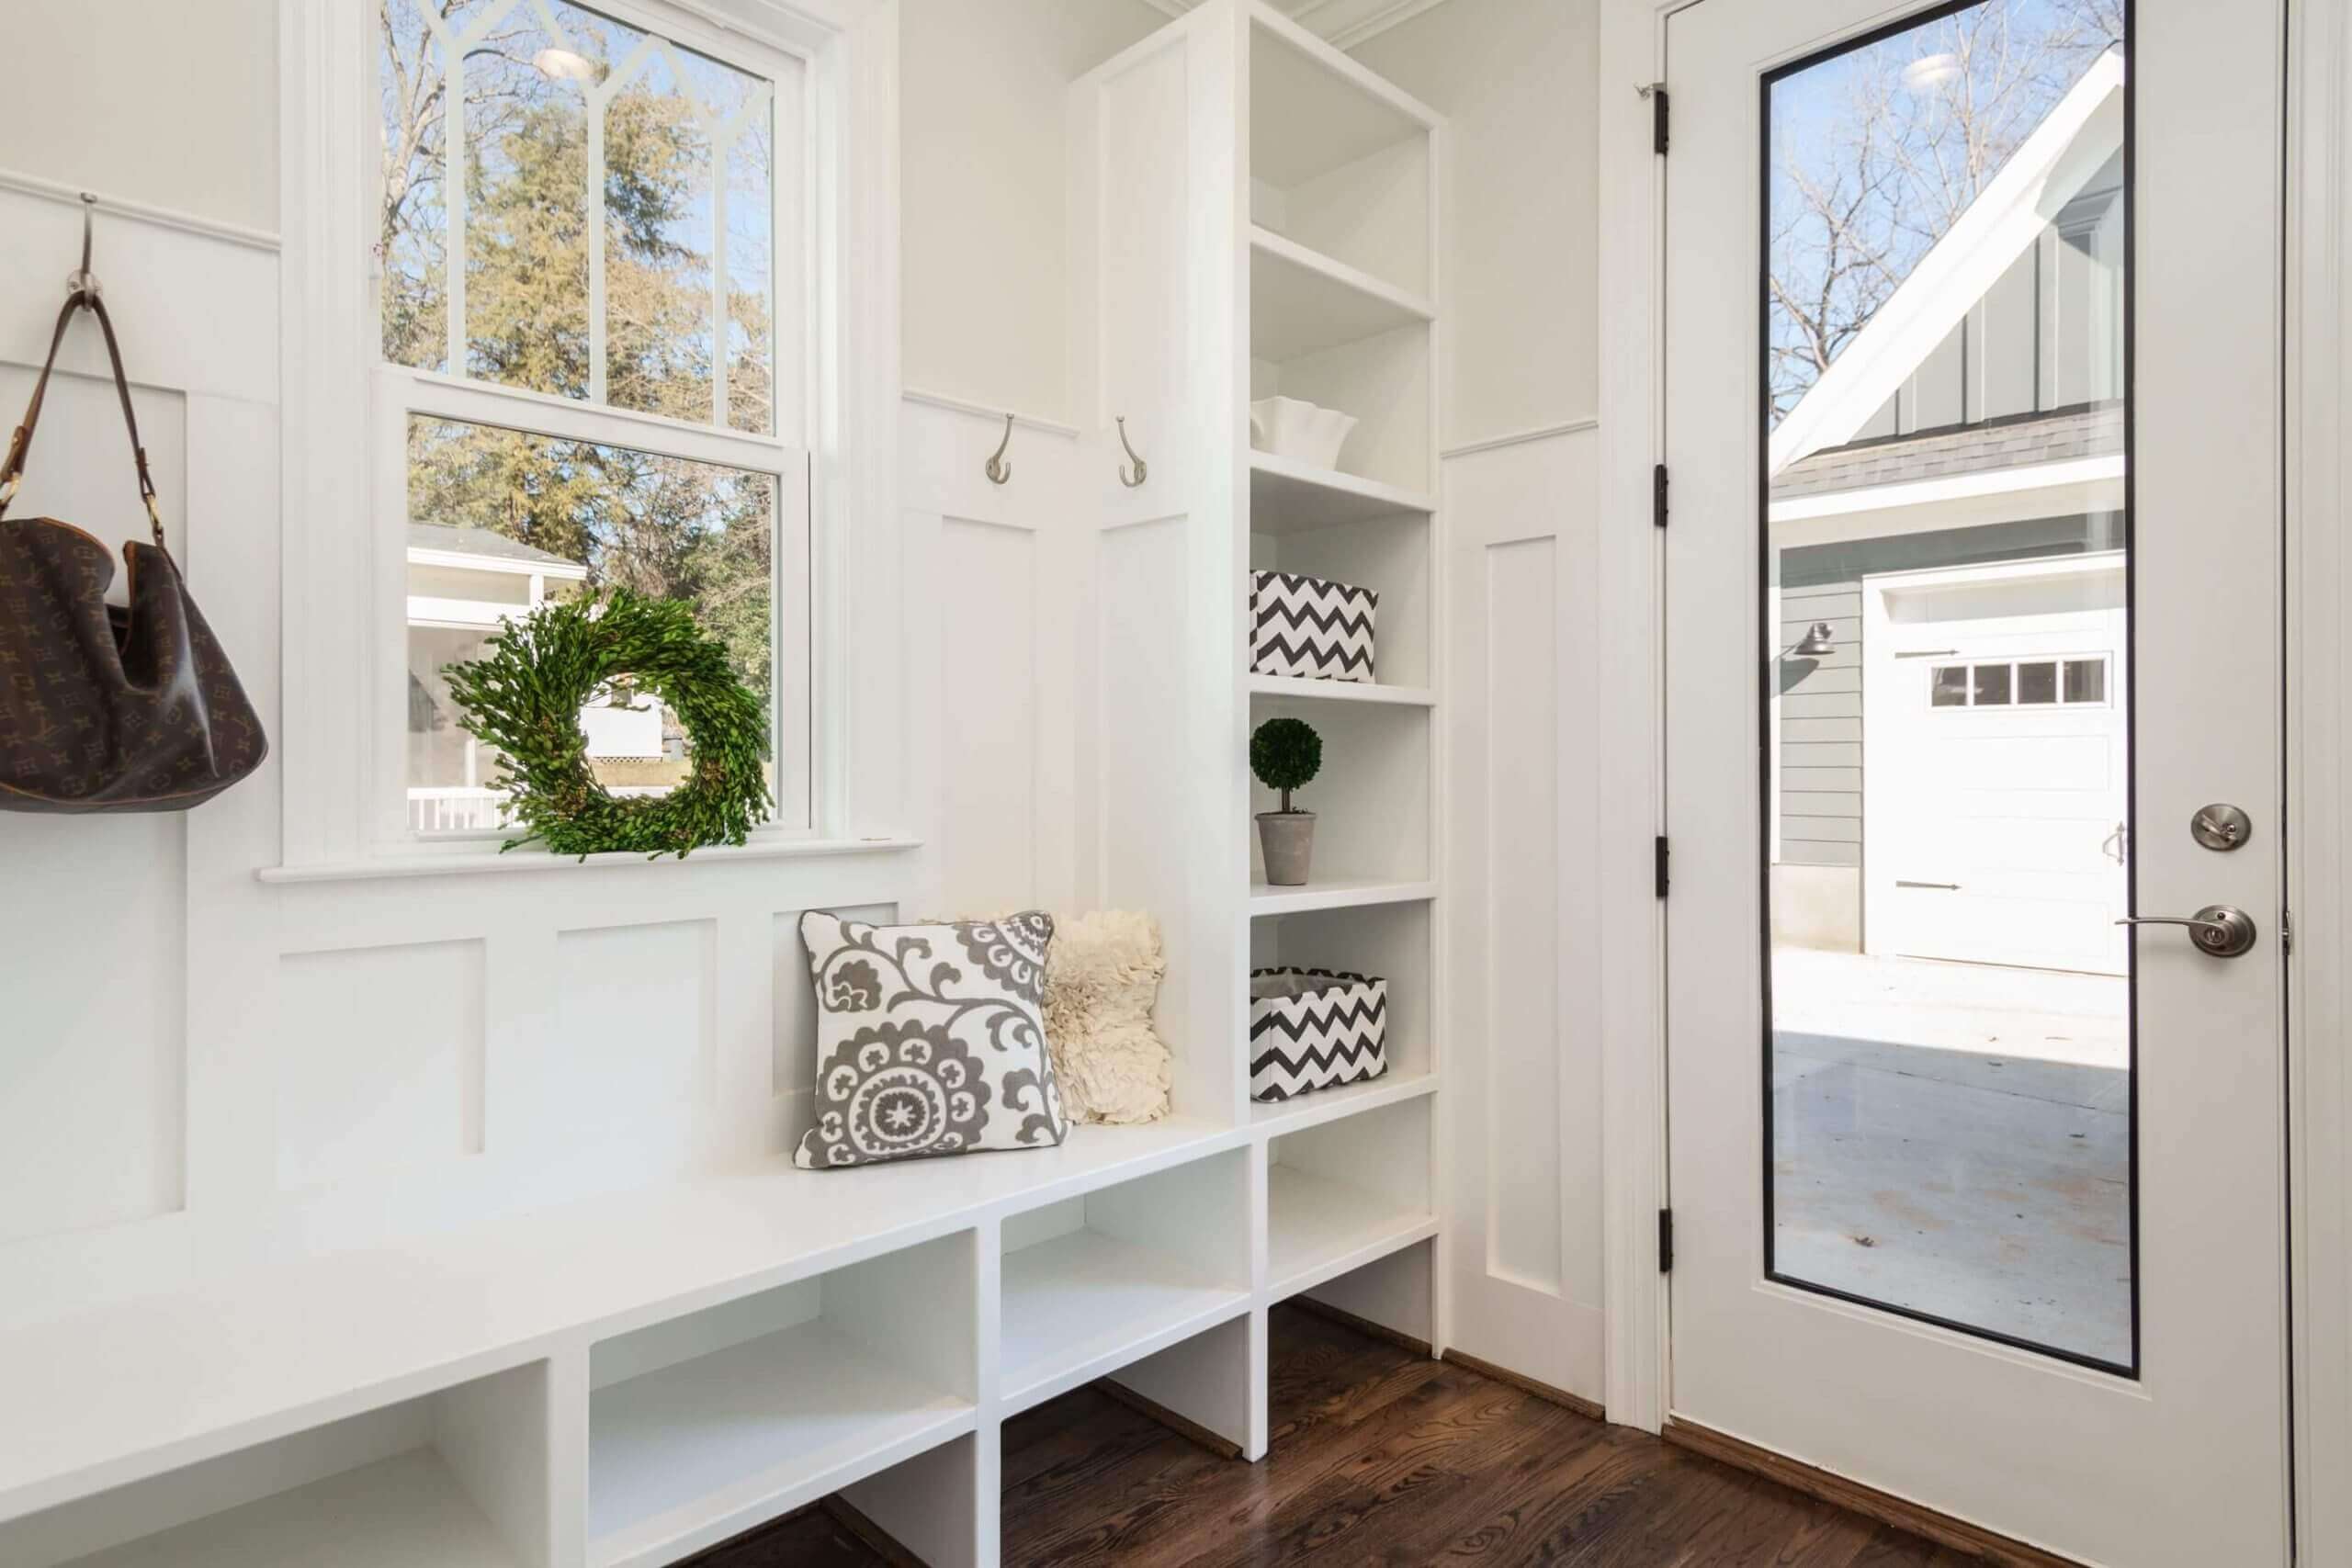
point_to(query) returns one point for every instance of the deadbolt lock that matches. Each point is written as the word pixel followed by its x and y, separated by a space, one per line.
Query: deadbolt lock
pixel 2220 826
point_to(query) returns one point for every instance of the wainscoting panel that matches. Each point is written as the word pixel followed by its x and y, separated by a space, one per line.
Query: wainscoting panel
pixel 997 574
pixel 1520 978
pixel 630 1071
pixel 334 1065
pixel 1524 1053
pixel 93 925
pixel 988 711
pixel 379 1061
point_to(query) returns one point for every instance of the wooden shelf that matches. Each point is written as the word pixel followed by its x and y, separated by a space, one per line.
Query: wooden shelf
pixel 1317 1227
pixel 1301 300
pixel 1341 690
pixel 1323 1105
pixel 697 1451
pixel 402 1512
pixel 1083 1304
pixel 1336 893
pixel 1287 496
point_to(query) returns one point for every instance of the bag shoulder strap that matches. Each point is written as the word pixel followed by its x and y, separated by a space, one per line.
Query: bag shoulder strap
pixel 12 470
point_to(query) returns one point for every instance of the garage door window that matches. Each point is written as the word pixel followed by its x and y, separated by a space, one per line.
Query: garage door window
pixel 2031 683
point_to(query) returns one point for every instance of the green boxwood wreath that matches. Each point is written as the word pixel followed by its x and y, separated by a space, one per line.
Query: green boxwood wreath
pixel 524 697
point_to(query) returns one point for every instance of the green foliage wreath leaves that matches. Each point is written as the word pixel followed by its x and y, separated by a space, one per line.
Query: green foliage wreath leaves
pixel 524 697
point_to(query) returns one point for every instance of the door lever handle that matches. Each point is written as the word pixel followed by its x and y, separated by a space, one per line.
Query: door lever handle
pixel 2220 930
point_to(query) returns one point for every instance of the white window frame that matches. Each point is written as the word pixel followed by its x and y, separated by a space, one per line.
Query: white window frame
pixel 343 584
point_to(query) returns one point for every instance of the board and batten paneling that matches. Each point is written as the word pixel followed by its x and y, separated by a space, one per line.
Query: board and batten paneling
pixel 1523 1051
pixel 203 1069
pixel 995 572
pixel 387 1087
pixel 109 896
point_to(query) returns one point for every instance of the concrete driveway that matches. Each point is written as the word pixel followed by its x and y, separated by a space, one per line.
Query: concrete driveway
pixel 1956 1139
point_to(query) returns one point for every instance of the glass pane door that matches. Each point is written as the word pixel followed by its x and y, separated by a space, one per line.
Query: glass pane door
pixel 1947 582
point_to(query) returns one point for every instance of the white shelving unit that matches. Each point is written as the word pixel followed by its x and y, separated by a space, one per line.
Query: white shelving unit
pixel 1092 1282
pixel 1299 687
pixel 396 1513
pixel 702 1426
pixel 1288 496
pixel 1336 893
pixel 462 1476
pixel 1303 302
pixel 1275 1117
pixel 627 1380
pixel 1342 263
pixel 1347 1192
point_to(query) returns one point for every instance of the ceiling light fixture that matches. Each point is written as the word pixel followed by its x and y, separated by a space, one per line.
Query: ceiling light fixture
pixel 565 65
pixel 1931 72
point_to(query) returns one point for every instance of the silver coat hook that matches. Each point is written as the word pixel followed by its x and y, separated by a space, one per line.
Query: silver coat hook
pixel 998 470
pixel 82 282
pixel 1142 469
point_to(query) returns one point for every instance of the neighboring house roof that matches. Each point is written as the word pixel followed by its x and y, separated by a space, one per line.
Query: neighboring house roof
pixel 493 551
pixel 2072 142
pixel 2002 444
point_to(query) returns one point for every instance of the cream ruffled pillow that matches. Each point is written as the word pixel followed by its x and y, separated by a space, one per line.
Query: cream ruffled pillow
pixel 1102 977
pixel 1102 974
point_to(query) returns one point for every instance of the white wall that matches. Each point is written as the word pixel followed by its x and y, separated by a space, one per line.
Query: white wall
pixel 203 1068
pixel 171 103
pixel 996 571
pixel 1519 295
pixel 984 90
pixel 1515 79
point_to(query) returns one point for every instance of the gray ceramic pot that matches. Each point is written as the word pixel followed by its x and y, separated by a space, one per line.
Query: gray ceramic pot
pixel 1287 837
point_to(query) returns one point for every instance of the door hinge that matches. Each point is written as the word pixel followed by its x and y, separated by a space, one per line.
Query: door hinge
pixel 1662 853
pixel 1665 1241
pixel 1657 495
pixel 2287 930
pixel 1659 113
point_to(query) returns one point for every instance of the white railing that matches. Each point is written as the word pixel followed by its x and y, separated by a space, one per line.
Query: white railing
pixel 456 810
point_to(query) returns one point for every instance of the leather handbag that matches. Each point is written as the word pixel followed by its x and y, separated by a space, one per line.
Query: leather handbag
pixel 103 708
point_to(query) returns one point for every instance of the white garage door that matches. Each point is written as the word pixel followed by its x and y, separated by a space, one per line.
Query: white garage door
pixel 1995 764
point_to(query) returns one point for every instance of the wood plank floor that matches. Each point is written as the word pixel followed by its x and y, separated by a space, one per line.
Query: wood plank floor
pixel 1379 1457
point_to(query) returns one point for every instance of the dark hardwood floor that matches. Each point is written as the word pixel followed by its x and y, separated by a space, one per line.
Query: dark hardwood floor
pixel 1379 1455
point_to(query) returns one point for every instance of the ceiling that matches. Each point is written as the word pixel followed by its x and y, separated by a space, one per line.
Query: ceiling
pixel 1344 22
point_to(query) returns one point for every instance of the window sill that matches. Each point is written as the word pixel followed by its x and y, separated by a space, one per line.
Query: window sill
pixel 488 862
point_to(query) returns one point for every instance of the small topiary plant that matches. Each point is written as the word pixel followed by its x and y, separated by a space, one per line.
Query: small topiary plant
pixel 1286 753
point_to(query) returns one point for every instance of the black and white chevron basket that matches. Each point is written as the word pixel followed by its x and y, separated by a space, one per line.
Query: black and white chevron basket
pixel 1315 1029
pixel 1310 627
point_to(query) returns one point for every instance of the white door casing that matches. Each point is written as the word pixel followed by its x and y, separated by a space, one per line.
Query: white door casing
pixel 2184 1463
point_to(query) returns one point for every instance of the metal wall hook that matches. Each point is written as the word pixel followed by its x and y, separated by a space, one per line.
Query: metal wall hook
pixel 998 470
pixel 82 282
pixel 1142 469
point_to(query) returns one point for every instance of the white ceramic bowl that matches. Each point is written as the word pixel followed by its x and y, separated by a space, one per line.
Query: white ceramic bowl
pixel 1301 431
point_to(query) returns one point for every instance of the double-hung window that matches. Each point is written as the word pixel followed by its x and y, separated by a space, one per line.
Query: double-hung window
pixel 594 307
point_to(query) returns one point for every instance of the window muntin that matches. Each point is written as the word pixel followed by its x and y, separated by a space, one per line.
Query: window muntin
pixel 589 162
pixel 609 390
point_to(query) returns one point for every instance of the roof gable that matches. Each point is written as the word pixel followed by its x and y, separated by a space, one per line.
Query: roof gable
pixel 2077 138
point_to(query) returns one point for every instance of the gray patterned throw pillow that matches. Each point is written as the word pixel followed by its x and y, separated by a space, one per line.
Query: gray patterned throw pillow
pixel 930 1040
